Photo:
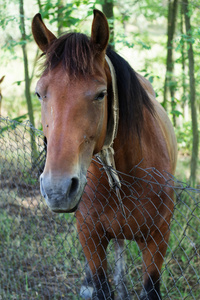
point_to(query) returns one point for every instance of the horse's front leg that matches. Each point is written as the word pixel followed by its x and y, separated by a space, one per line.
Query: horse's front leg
pixel 96 285
pixel 154 250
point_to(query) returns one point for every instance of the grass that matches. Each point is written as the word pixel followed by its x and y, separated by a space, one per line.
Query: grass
pixel 181 272
pixel 40 253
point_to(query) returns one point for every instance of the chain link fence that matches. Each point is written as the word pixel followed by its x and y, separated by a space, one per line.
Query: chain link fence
pixel 40 254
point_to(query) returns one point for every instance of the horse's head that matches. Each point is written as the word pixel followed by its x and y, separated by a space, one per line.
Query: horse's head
pixel 73 93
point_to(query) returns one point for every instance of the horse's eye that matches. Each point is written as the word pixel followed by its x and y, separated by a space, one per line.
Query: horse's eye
pixel 101 96
pixel 38 95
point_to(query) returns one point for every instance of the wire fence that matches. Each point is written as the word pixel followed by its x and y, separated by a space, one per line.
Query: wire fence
pixel 40 253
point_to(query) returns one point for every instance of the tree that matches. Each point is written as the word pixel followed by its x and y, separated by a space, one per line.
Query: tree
pixel 60 16
pixel 25 57
pixel 107 7
pixel 26 74
pixel 195 141
pixel 169 78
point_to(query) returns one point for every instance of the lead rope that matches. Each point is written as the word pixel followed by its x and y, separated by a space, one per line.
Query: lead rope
pixel 108 162
pixel 106 155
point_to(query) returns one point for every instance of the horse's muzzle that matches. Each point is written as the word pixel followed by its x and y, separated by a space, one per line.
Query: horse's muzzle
pixel 62 194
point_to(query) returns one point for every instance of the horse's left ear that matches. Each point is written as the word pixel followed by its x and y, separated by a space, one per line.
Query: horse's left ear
pixel 42 35
pixel 100 30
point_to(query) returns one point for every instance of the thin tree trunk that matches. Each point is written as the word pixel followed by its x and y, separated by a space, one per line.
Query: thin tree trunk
pixel 184 97
pixel 26 74
pixel 26 70
pixel 195 142
pixel 60 17
pixel 39 5
pixel 169 78
pixel 107 7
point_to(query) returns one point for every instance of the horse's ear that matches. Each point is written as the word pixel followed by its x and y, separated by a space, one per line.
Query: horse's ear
pixel 100 30
pixel 42 35
pixel 2 78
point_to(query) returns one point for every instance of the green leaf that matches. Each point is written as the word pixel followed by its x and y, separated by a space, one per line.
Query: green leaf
pixel 177 113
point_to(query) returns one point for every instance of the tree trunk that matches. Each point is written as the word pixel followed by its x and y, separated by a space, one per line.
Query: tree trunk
pixel 60 17
pixel 39 5
pixel 169 78
pixel 26 74
pixel 195 141
pixel 184 96
pixel 26 71
pixel 108 11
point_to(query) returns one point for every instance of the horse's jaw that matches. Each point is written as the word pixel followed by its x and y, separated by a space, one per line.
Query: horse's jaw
pixel 62 194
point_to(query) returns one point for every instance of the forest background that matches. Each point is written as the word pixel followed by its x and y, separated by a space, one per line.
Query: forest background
pixel 160 39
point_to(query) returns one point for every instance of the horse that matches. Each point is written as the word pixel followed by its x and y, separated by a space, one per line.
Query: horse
pixel 1 80
pixel 94 106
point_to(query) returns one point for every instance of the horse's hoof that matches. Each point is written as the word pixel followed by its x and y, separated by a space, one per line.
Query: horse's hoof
pixel 86 292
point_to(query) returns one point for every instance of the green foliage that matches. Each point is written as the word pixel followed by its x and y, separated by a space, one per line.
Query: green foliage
pixel 176 113
pixel 50 10
pixel 184 137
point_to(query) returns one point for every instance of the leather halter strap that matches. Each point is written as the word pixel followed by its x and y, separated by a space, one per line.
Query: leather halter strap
pixel 106 155
pixel 112 127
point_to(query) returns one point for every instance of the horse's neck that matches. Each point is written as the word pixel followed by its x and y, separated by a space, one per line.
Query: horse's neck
pixel 128 153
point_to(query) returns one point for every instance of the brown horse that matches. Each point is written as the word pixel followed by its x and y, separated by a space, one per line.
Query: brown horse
pixel 76 91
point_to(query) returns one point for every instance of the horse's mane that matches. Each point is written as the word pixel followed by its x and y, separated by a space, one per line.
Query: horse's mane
pixel 132 96
pixel 76 53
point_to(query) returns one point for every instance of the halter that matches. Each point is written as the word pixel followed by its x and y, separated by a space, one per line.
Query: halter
pixel 106 155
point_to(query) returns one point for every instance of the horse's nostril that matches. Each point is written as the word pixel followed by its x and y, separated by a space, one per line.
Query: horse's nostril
pixel 74 186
